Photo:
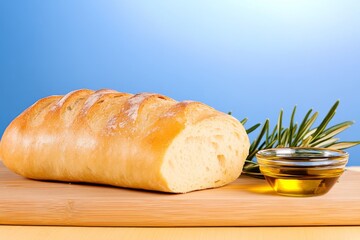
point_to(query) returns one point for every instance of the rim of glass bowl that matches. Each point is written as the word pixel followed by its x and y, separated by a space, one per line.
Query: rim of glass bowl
pixel 302 157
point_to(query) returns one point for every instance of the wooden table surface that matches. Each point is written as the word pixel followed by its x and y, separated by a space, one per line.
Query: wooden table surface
pixel 89 233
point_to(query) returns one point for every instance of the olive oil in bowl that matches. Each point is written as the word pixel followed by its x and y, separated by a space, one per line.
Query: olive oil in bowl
pixel 301 172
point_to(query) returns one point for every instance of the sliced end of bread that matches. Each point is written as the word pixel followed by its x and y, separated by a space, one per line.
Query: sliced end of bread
pixel 208 154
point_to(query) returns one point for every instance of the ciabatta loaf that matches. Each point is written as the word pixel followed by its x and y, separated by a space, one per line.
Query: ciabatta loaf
pixel 145 141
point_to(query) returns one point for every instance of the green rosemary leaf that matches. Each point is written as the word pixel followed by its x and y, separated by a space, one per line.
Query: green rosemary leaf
pixel 284 138
pixel 266 142
pixel 253 128
pixel 332 131
pixel 310 133
pixel 279 126
pixel 325 121
pixel 273 134
pixel 244 121
pixel 293 143
pixel 249 166
pixel 262 145
pixel 256 142
pixel 344 145
pixel 260 136
pixel 290 138
pixel 271 144
pixel 306 129
pixel 249 162
pixel 320 140
pixel 302 126
pixel 306 142
pixel 325 143
pixel 252 169
pixel 320 128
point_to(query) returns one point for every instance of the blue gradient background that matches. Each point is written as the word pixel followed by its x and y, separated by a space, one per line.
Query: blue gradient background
pixel 250 57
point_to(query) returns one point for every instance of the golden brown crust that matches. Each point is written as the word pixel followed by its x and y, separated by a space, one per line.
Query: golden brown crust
pixel 103 137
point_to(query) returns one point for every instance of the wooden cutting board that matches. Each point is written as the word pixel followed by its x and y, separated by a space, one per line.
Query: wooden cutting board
pixel 246 202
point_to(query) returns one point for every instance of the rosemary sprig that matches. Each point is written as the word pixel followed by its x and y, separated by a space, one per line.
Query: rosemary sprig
pixel 303 135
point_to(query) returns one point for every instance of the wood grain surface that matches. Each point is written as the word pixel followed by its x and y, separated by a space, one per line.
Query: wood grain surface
pixel 246 202
pixel 166 233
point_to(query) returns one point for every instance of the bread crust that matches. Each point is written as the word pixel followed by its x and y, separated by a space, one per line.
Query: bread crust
pixel 103 136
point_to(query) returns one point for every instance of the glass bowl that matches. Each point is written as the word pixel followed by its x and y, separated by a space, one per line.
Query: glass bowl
pixel 301 172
